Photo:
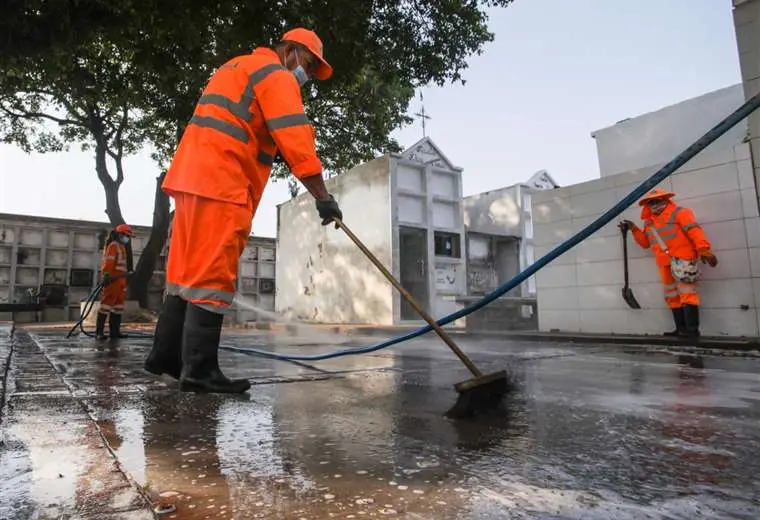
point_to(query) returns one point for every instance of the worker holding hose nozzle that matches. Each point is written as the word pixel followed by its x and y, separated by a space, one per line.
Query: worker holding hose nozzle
pixel 678 243
pixel 114 272
pixel 250 111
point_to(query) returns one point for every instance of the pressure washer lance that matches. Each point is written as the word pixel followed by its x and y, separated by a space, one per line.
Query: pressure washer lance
pixel 482 393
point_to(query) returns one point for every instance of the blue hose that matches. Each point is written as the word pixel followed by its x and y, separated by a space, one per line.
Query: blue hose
pixel 89 303
pixel 700 144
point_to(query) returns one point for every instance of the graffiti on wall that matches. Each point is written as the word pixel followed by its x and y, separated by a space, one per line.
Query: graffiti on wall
pixel 446 277
pixel 481 279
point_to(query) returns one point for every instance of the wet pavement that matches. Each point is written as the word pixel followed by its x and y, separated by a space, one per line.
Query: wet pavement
pixel 593 432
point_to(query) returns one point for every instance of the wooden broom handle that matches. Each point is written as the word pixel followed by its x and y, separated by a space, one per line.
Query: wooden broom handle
pixel 388 276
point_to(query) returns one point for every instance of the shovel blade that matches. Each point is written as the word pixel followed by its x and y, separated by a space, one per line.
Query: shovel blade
pixel 630 299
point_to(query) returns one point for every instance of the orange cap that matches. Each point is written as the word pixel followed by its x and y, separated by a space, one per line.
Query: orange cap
pixel 311 41
pixel 657 193
pixel 125 229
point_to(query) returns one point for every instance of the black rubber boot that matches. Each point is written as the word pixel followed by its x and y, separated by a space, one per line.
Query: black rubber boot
pixel 200 355
pixel 691 314
pixel 114 326
pixel 100 325
pixel 679 318
pixel 166 355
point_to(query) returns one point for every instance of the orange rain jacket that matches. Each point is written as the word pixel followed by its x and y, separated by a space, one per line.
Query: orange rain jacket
pixel 250 109
pixel 114 259
pixel 115 265
pixel 678 229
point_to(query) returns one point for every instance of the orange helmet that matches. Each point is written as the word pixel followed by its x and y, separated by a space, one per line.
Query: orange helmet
pixel 311 41
pixel 655 194
pixel 125 229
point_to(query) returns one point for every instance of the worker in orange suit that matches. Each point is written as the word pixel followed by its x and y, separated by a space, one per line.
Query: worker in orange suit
pixel 250 110
pixel 684 239
pixel 114 273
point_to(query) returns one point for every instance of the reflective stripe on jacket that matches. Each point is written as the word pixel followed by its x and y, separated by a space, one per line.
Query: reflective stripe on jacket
pixel 250 109
pixel 114 259
pixel 678 229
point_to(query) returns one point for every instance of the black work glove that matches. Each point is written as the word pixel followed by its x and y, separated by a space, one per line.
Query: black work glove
pixel 328 210
pixel 107 280
pixel 708 257
pixel 626 225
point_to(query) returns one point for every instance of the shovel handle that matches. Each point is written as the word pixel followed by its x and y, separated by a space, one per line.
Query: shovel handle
pixel 625 255
pixel 425 316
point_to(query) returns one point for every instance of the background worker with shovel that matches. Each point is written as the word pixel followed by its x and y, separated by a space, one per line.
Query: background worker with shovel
pixel 678 242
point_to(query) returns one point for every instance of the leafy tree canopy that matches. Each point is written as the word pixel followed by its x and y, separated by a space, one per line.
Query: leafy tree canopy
pixel 93 61
pixel 117 75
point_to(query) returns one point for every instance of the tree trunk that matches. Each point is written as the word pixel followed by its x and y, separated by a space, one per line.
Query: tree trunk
pixel 110 186
pixel 137 288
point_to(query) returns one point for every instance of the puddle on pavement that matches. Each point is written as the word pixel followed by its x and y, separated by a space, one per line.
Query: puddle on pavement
pixel 602 436
pixel 272 460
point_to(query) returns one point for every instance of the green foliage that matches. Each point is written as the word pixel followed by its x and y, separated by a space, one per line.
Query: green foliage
pixel 117 75
pixel 91 66
pixel 63 82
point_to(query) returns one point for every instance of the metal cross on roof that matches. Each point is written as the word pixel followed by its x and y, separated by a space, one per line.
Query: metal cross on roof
pixel 423 115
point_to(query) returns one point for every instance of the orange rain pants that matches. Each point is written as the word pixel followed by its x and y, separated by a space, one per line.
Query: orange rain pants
pixel 208 237
pixel 113 296
pixel 115 265
pixel 677 294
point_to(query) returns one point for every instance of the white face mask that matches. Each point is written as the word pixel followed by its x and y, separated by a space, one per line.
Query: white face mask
pixel 300 73
pixel 658 207
pixel 124 239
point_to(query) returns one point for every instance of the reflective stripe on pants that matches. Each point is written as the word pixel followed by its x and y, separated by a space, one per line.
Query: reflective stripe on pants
pixel 677 294
pixel 208 237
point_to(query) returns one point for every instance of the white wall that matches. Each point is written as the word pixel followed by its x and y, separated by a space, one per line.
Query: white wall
pixel 321 275
pixel 506 212
pixel 427 191
pixel 747 27
pixel 580 291
pixel 657 137
pixel 496 212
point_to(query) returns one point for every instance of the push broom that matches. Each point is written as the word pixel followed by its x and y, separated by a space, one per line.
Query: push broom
pixel 482 393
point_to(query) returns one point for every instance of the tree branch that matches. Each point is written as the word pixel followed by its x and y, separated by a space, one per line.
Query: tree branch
pixel 57 99
pixel 119 170
pixel 23 114
pixel 101 167
pixel 112 128
pixel 118 155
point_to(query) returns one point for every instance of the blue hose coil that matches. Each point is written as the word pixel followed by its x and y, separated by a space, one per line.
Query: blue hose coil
pixel 700 144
